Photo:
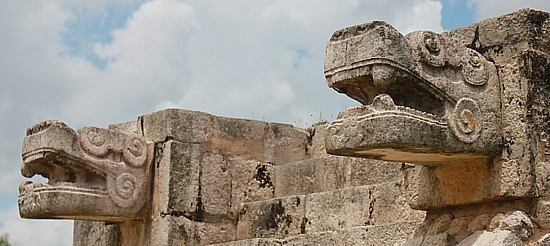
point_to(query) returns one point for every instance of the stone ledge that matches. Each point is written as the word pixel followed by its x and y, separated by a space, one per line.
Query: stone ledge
pixel 326 211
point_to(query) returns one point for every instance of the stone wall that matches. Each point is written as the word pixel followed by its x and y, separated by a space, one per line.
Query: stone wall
pixel 222 180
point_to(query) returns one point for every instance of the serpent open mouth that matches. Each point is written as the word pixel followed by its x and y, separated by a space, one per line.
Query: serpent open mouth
pixel 65 172
pixel 384 90
pixel 93 173
pixel 420 96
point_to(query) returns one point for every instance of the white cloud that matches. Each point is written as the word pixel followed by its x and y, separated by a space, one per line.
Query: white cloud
pixel 492 8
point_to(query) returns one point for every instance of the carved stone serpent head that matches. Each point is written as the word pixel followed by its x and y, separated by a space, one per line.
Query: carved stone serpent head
pixel 426 98
pixel 93 173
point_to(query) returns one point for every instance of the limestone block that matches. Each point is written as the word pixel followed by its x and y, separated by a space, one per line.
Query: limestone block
pixel 177 181
pixel 333 210
pixel 499 38
pixel 178 230
pixel 487 238
pixel 275 218
pixel 176 124
pixel 388 203
pixel 127 127
pixel 322 238
pixel 386 234
pixel 95 233
pixel 240 137
pixel 512 174
pixel 296 178
pixel 333 172
pixel 250 181
pixel 285 143
pixel 317 148
pixel 310 176
pixel 250 139
pixel 358 206
pixel 254 242
pixel 215 184
pixel 369 171
pixel 443 239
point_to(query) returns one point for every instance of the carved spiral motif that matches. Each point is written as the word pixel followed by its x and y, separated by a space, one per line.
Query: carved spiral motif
pixel 134 151
pixel 94 141
pixel 466 120
pixel 433 49
pixel 95 138
pixel 123 190
pixel 473 68
pixel 126 185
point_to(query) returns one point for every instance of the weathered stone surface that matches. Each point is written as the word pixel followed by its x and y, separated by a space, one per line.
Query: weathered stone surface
pixel 364 171
pixel 358 206
pixel 130 127
pixel 92 173
pixel 544 240
pixel 416 110
pixel 285 144
pixel 275 218
pixel 518 223
pixel 389 202
pixel 387 234
pixel 441 224
pixel 95 233
pixel 178 230
pixel 542 213
pixel 459 228
pixel 177 181
pixel 310 176
pixel 250 139
pixel 250 181
pixel 479 223
pixel 443 239
pixel 254 242
pixel 317 135
pixel 176 124
pixel 347 208
pixel 333 172
pixel 204 185
pixel 500 38
pixel 435 110
pixel 487 238
pixel 215 184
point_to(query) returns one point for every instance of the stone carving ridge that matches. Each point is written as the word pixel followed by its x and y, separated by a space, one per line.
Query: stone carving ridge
pixel 102 169
pixel 436 93
pixel 465 121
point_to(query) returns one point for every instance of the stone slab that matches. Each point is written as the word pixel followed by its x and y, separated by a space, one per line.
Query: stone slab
pixel 275 218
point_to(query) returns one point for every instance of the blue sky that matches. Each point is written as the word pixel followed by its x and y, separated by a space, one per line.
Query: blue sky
pixel 99 62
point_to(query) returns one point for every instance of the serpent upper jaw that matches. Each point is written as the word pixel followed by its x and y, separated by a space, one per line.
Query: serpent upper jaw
pixel 426 98
pixel 94 173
